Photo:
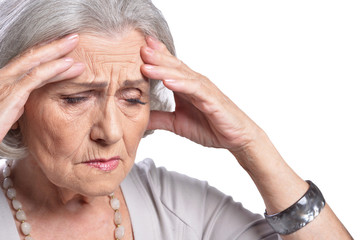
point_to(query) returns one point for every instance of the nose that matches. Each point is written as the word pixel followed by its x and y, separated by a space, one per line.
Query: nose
pixel 107 128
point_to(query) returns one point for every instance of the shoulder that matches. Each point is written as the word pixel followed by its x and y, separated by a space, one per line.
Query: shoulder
pixel 180 194
pixel 169 184
pixel 205 210
pixel 173 195
pixel 168 201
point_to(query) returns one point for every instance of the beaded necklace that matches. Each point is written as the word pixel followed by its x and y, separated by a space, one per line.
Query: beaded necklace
pixel 20 215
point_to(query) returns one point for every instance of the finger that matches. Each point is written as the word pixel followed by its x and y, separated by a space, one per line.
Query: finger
pixel 154 57
pixel 74 71
pixel 11 110
pixel 157 45
pixel 48 72
pixel 38 55
pixel 161 120
pixel 194 87
pixel 178 80
pixel 161 72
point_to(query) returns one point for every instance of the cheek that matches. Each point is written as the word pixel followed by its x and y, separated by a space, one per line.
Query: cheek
pixel 54 132
pixel 50 132
pixel 134 130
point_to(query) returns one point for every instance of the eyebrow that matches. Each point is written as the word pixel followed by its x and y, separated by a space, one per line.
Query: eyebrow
pixel 126 83
pixel 89 85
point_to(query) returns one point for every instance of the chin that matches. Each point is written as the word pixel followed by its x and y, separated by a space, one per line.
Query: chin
pixel 94 182
pixel 89 181
pixel 89 185
pixel 98 189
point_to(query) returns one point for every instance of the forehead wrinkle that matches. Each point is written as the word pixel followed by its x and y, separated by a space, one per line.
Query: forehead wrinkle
pixel 98 70
pixel 88 59
pixel 114 78
pixel 86 84
pixel 91 62
pixel 97 63
pixel 111 60
pixel 107 57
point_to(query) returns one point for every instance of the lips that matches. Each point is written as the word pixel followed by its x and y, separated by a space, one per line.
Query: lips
pixel 106 165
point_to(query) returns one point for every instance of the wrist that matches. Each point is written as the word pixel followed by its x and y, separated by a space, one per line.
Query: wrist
pixel 277 183
pixel 258 154
pixel 302 212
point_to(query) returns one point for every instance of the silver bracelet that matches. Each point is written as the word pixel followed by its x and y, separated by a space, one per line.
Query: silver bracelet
pixel 300 213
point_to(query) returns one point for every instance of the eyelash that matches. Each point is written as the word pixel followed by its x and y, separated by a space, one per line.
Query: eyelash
pixel 135 101
pixel 76 100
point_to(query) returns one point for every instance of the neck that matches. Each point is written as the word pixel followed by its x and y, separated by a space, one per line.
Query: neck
pixel 37 190
pixel 50 207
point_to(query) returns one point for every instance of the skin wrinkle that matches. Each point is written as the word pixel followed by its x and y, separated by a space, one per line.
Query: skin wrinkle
pixel 104 115
pixel 91 60
pixel 98 85
pixel 105 57
pixel 93 85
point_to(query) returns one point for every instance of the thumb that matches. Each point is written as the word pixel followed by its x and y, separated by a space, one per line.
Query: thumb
pixel 161 120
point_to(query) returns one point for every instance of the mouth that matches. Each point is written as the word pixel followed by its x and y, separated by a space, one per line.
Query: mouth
pixel 103 164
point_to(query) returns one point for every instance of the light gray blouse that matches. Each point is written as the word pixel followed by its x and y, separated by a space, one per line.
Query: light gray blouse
pixel 170 206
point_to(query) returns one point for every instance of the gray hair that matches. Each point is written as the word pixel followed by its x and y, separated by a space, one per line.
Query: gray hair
pixel 26 23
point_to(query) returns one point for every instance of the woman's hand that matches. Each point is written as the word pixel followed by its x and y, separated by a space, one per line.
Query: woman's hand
pixel 203 113
pixel 31 70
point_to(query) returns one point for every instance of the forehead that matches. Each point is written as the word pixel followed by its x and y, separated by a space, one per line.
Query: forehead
pixel 110 49
pixel 114 57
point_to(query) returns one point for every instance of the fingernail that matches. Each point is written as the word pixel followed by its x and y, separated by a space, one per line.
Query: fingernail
pixel 148 67
pixel 68 59
pixel 73 37
pixel 169 80
pixel 152 39
pixel 149 50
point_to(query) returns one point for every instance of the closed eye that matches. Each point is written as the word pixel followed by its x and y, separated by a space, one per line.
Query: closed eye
pixel 74 100
pixel 135 101
pixel 132 96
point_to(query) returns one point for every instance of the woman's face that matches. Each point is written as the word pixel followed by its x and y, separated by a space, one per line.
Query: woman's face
pixel 83 133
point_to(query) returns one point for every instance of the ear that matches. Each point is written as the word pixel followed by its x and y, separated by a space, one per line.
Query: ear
pixel 15 126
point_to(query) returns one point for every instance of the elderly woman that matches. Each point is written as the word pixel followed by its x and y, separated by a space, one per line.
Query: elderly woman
pixel 76 97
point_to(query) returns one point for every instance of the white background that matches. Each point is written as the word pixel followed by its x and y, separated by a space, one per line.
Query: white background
pixel 295 68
